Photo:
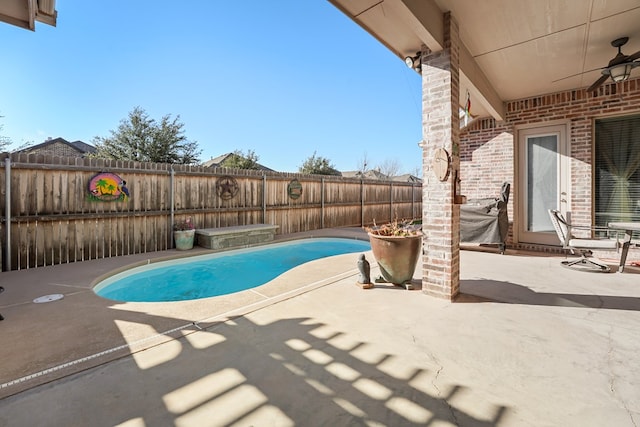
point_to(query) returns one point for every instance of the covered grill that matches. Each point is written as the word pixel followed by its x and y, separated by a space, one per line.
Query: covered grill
pixel 486 220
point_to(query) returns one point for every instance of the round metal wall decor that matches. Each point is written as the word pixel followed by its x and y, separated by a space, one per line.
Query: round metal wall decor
pixel 440 164
pixel 294 189
pixel 227 187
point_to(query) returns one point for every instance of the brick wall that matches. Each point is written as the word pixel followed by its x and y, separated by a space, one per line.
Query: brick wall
pixel 487 147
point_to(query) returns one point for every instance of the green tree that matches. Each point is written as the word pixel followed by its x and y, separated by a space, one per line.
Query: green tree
pixel 239 160
pixel 141 138
pixel 319 166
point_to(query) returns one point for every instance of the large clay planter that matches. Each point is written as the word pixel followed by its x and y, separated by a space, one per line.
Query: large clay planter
pixel 397 256
pixel 184 239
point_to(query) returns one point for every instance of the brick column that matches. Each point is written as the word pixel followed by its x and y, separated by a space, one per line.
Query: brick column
pixel 441 129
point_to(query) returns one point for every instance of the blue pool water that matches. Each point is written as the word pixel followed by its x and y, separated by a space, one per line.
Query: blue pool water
pixel 220 273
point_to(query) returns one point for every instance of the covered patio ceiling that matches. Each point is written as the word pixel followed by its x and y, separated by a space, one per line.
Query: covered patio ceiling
pixel 25 13
pixel 510 49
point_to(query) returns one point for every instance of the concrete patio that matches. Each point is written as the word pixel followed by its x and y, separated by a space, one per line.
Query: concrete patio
pixel 528 343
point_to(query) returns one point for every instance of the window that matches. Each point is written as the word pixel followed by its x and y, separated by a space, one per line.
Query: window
pixel 617 169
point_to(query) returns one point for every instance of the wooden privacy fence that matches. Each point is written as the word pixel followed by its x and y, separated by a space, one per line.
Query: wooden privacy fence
pixel 52 212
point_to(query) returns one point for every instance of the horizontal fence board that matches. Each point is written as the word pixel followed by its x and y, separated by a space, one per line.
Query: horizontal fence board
pixel 55 221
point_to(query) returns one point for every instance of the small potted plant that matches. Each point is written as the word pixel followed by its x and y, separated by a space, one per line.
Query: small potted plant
pixel 396 248
pixel 183 234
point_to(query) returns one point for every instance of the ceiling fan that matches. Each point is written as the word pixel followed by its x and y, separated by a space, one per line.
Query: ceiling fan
pixel 619 68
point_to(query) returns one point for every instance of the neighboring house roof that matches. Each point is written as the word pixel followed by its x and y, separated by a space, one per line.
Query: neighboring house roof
pixel 370 174
pixel 84 147
pixel 407 177
pixel 217 161
pixel 61 147
pixel 375 174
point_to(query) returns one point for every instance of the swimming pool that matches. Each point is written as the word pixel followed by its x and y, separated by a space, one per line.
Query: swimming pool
pixel 220 273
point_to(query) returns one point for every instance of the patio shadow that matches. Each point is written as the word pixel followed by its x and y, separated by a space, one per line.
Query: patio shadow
pixel 476 291
pixel 294 371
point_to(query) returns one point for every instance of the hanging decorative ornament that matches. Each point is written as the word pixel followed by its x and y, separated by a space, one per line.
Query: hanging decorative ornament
pixel 467 109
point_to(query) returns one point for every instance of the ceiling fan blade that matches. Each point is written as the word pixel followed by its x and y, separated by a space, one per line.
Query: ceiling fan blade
pixel 575 75
pixel 634 56
pixel 618 59
pixel 598 83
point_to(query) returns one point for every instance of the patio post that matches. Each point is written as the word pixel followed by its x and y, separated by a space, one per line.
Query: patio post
pixel 440 130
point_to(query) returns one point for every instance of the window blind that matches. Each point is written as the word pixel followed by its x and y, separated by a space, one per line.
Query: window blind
pixel 617 169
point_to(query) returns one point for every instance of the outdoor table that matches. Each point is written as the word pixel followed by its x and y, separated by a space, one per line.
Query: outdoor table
pixel 629 228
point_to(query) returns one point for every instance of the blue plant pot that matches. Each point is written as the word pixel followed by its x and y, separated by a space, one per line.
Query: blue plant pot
pixel 184 239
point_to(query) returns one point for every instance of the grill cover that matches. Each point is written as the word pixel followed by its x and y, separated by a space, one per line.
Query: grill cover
pixel 486 220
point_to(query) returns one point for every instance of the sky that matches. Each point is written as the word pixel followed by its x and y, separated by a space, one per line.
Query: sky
pixel 283 78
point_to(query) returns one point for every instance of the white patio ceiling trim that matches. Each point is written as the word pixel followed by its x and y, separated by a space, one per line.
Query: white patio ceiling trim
pixel 25 13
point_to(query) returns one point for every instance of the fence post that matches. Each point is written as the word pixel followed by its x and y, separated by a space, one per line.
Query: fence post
pixel 264 198
pixel 413 199
pixel 171 203
pixel 390 201
pixel 361 202
pixel 7 203
pixel 322 203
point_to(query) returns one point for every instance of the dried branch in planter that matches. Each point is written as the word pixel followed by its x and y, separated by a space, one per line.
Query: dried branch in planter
pixel 398 228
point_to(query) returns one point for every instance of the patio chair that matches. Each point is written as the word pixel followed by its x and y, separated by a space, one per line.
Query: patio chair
pixel 584 246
